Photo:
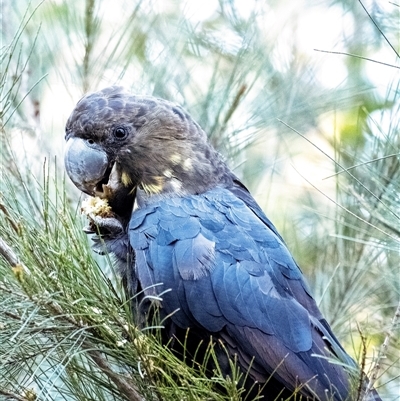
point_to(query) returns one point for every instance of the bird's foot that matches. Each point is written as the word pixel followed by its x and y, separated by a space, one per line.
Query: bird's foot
pixel 104 226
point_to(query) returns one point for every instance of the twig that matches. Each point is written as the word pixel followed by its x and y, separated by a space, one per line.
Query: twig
pixel 380 219
pixel 13 225
pixel 235 103
pixel 361 164
pixel 382 354
pixel 379 29
pixel 13 396
pixel 8 254
pixel 128 390
pixel 362 367
pixel 357 56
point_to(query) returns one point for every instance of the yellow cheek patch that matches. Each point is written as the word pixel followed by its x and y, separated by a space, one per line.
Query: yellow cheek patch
pixel 175 158
pixel 125 179
pixel 187 164
pixel 168 173
pixel 154 187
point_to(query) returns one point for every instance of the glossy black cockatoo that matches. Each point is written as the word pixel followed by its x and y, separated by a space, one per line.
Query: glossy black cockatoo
pixel 186 230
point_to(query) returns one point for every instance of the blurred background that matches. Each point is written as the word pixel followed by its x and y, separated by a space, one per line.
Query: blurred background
pixel 302 99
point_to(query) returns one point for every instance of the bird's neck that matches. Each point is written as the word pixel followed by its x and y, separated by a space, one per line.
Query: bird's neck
pixel 186 173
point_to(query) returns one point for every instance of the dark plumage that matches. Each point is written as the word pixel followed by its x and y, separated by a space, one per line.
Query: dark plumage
pixel 194 234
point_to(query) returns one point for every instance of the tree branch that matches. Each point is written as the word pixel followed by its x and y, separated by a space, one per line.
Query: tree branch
pixel 128 390
pixel 8 254
pixel 12 396
pixel 381 354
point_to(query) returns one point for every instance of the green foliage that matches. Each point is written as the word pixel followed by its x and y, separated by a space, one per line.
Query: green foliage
pixel 66 330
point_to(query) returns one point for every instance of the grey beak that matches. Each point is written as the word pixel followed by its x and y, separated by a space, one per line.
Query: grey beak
pixel 85 163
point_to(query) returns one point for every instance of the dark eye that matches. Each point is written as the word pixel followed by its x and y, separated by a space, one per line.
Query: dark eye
pixel 120 133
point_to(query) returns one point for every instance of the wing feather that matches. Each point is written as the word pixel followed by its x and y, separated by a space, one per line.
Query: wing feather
pixel 230 273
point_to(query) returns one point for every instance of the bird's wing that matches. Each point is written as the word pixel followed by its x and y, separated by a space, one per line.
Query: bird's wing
pixel 223 270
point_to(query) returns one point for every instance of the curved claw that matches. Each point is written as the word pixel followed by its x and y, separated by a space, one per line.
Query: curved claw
pixel 89 230
pixel 106 225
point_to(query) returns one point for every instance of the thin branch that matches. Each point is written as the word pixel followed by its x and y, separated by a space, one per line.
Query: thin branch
pixel 362 164
pixel 357 56
pixel 362 377
pixel 13 396
pixel 9 255
pixel 128 390
pixel 380 219
pixel 382 353
pixel 379 29
pixel 235 103
pixel 5 211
